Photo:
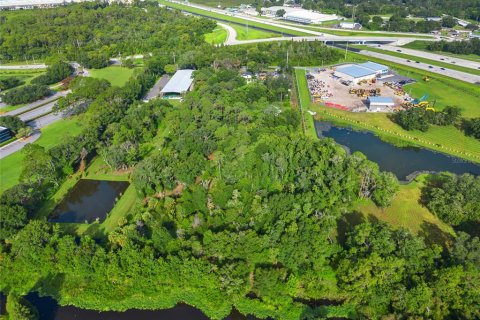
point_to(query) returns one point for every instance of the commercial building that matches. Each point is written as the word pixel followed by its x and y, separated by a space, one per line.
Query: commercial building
pixel 299 15
pixel 380 104
pixel 5 134
pixel 309 17
pixel 181 82
pixel 272 11
pixel 377 67
pixel 350 25
pixel 354 73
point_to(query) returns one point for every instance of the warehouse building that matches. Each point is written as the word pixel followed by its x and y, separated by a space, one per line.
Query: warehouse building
pixel 272 11
pixel 181 82
pixel 309 17
pixel 5 134
pixel 350 25
pixel 377 67
pixel 380 104
pixel 354 73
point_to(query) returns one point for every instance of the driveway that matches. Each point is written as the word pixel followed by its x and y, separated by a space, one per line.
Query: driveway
pixel 155 91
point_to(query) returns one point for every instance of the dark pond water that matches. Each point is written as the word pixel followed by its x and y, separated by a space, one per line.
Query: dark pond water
pixel 401 161
pixel 88 200
pixel 50 310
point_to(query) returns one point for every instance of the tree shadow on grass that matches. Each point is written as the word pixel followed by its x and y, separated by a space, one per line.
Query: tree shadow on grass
pixel 470 227
pixel 434 235
pixel 347 223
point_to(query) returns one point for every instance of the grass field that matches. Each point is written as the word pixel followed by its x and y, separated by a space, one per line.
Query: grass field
pixel 116 75
pixel 217 36
pixel 237 20
pixel 244 33
pixel 25 75
pixel 422 45
pixel 420 59
pixel 406 211
pixel 11 166
pixel 444 139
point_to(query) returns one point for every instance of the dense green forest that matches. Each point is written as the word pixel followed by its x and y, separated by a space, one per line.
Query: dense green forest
pixel 238 208
pixel 92 32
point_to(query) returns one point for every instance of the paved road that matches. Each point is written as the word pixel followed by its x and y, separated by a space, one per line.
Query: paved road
pixel 434 56
pixel 35 113
pixel 467 77
pixel 155 91
pixel 231 34
pixel 24 67
pixel 36 126
pixel 35 104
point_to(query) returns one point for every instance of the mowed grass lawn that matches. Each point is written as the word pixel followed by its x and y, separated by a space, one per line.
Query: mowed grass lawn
pixel 445 139
pixel 248 33
pixel 116 75
pixel 52 135
pixel 217 36
pixel 406 211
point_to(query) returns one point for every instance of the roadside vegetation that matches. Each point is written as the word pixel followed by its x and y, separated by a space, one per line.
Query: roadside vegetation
pixel 217 36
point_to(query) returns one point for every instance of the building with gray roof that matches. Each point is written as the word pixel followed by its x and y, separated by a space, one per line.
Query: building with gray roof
pixel 181 82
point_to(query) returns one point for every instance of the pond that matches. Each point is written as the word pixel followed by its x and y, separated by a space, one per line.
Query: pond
pixel 401 161
pixel 48 309
pixel 89 200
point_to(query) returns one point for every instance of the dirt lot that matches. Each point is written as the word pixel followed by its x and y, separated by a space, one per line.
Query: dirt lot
pixel 327 89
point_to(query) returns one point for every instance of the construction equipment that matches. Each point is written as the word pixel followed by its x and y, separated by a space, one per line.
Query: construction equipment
pixel 426 79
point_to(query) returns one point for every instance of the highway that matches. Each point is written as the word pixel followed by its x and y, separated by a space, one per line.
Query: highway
pixel 434 56
pixel 467 77
pixel 37 112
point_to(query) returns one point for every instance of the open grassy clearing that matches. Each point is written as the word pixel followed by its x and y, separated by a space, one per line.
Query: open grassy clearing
pixel 420 59
pixel 26 75
pixel 217 36
pixel 422 45
pixel 237 20
pixel 444 139
pixel 116 75
pixel 406 211
pixel 246 33
pixel 11 166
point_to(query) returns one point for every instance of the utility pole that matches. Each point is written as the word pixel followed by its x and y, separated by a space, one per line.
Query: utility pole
pixel 174 58
pixel 247 28
pixel 287 58
pixel 346 49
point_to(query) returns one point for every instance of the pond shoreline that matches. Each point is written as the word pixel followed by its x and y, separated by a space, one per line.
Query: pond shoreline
pixel 405 162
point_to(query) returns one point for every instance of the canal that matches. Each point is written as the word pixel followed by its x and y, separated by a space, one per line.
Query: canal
pixel 400 161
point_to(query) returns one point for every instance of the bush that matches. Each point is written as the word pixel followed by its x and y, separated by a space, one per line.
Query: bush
pixel 55 73
pixel 9 83
pixel 26 94
pixel 13 123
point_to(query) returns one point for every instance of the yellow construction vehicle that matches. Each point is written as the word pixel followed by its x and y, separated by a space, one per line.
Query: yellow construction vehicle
pixel 426 79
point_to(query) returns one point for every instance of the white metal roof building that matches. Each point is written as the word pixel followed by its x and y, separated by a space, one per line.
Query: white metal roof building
pixel 309 17
pixel 380 104
pixel 180 83
pixel 272 11
pixel 350 25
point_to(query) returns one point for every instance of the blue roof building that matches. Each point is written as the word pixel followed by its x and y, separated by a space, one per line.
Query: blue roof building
pixel 377 67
